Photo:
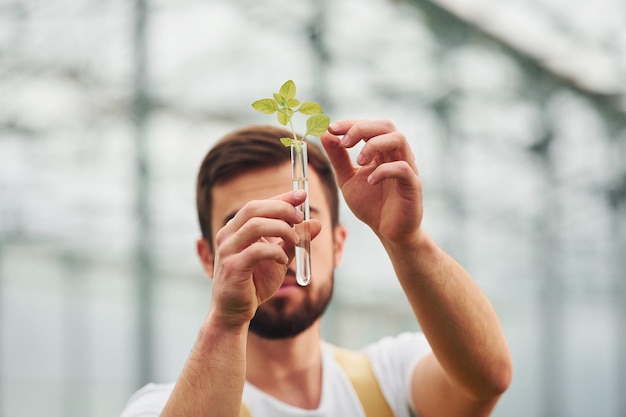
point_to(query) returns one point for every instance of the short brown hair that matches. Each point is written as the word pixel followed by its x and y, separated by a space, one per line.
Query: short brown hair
pixel 249 149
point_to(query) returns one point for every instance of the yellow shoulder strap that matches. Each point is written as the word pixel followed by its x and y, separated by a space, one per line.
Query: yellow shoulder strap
pixel 358 367
pixel 245 412
pixel 360 373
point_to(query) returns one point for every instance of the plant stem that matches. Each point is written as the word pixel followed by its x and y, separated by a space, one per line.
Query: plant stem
pixel 293 131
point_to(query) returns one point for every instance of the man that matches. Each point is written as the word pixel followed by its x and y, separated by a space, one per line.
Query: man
pixel 260 344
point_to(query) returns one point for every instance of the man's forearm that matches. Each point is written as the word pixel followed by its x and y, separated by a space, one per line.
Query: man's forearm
pixel 456 317
pixel 211 382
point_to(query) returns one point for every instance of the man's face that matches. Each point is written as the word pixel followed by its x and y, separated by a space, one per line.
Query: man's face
pixel 293 308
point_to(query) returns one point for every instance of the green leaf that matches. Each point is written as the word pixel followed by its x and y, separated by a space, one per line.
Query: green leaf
pixel 266 105
pixel 317 125
pixel 288 90
pixel 279 99
pixel 285 104
pixel 284 116
pixel 310 107
pixel 286 141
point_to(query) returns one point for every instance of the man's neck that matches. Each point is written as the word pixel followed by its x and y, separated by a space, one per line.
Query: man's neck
pixel 289 370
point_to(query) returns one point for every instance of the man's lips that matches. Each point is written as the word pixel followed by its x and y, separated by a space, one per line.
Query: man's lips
pixel 289 284
pixel 290 279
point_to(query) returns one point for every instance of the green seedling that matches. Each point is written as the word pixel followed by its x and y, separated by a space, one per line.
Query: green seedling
pixel 285 105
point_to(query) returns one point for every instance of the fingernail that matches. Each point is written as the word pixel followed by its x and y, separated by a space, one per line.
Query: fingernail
pixel 299 193
pixel 333 126
pixel 360 159
pixel 345 140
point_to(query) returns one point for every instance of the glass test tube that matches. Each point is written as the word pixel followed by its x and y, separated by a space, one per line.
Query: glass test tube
pixel 299 175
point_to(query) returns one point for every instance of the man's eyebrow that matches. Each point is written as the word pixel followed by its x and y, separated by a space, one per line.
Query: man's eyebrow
pixel 228 217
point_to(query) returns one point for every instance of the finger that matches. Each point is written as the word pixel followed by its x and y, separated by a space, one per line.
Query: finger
pixel 262 251
pixel 387 147
pixel 282 207
pixel 338 156
pixel 355 131
pixel 294 198
pixel 258 229
pixel 400 171
pixel 315 227
pixel 340 127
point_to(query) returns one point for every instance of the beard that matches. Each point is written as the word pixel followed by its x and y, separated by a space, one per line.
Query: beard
pixel 272 322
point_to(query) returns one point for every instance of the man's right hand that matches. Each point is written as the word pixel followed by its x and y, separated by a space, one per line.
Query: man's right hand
pixel 252 253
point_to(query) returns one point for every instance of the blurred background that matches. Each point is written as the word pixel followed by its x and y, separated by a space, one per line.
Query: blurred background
pixel 516 111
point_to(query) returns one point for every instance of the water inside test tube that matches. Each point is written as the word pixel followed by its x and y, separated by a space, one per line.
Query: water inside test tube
pixel 303 250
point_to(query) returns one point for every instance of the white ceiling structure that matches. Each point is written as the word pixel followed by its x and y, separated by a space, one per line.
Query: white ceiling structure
pixel 579 40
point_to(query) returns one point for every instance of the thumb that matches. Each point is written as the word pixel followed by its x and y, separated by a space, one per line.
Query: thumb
pixel 338 156
pixel 315 227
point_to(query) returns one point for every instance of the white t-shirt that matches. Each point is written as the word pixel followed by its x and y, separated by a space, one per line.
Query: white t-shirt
pixel 393 360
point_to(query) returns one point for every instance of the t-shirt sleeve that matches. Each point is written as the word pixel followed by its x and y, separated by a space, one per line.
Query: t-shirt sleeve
pixel 148 401
pixel 393 360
